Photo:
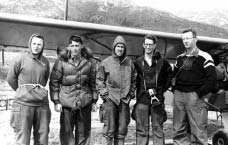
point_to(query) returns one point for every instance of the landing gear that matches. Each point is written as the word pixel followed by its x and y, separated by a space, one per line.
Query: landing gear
pixel 220 138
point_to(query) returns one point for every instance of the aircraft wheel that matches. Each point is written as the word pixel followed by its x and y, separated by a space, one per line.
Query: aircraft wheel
pixel 220 138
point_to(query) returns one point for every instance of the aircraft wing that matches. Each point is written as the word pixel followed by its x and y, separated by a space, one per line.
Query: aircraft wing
pixel 15 31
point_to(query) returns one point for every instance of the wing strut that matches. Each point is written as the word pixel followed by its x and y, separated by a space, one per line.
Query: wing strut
pixel 166 44
pixel 105 46
pixel 3 55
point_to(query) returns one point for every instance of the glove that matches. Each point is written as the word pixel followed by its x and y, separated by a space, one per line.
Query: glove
pixel 58 107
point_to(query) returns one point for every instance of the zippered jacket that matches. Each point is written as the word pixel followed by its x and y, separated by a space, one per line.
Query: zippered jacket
pixel 70 83
pixel 163 80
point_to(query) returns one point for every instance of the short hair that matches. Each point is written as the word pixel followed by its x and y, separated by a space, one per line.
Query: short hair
pixel 190 30
pixel 151 37
pixel 75 38
pixel 60 48
pixel 39 36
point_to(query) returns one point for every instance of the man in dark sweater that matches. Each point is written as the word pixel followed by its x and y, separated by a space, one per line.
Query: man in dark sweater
pixel 152 81
pixel 194 78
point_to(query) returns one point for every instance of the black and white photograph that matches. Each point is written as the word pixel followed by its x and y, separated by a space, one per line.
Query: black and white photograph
pixel 113 72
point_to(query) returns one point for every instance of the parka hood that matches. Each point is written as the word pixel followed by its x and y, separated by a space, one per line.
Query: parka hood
pixel 119 40
pixel 29 44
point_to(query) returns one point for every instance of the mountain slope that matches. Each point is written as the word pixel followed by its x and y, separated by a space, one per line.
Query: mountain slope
pixel 42 8
pixel 111 14
pixel 214 17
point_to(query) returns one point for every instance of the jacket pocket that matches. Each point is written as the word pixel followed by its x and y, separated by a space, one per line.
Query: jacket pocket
pixel 15 118
pixel 86 99
pixel 68 89
pixel 76 99
pixel 67 96
pixel 40 93
pixel 32 94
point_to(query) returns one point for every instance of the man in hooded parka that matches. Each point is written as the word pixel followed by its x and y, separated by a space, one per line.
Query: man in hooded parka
pixel 116 84
pixel 28 77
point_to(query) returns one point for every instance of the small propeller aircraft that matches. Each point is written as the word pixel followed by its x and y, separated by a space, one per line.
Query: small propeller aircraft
pixel 15 31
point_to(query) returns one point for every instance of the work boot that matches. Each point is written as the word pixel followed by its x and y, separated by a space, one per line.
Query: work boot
pixel 119 141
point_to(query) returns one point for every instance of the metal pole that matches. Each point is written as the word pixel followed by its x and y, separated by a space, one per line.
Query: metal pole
pixel 3 56
pixel 66 10
pixel 7 104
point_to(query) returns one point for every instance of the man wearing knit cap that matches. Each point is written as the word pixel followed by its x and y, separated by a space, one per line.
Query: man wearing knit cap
pixel 116 80
pixel 28 77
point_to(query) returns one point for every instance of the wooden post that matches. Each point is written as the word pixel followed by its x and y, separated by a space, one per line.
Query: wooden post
pixel 3 56
pixel 66 10
pixel 7 104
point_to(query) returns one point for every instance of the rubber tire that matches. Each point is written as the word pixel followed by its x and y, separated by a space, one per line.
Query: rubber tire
pixel 220 138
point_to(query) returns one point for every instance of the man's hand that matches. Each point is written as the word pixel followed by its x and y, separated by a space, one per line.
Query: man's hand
pixel 58 107
pixel 151 92
pixel 94 107
pixel 220 91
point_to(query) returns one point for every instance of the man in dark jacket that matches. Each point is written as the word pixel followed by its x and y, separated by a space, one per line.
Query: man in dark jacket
pixel 116 79
pixel 28 77
pixel 73 91
pixel 194 78
pixel 152 81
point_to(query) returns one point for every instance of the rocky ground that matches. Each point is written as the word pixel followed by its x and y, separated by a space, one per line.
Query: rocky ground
pixel 6 133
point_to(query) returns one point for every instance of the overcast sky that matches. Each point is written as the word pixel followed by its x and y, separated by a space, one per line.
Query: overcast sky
pixel 174 6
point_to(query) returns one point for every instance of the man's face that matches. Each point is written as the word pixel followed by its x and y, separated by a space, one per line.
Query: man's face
pixel 119 49
pixel 188 40
pixel 149 46
pixel 36 45
pixel 75 48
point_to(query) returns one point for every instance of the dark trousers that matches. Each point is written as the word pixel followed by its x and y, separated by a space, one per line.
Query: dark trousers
pixel 116 121
pixel 78 121
pixel 24 118
pixel 143 125
pixel 189 119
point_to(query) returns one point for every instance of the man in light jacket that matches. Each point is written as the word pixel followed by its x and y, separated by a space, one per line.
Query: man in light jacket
pixel 28 77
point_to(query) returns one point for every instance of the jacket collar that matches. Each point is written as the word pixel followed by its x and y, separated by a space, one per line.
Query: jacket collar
pixel 195 52
pixel 117 59
pixel 81 63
